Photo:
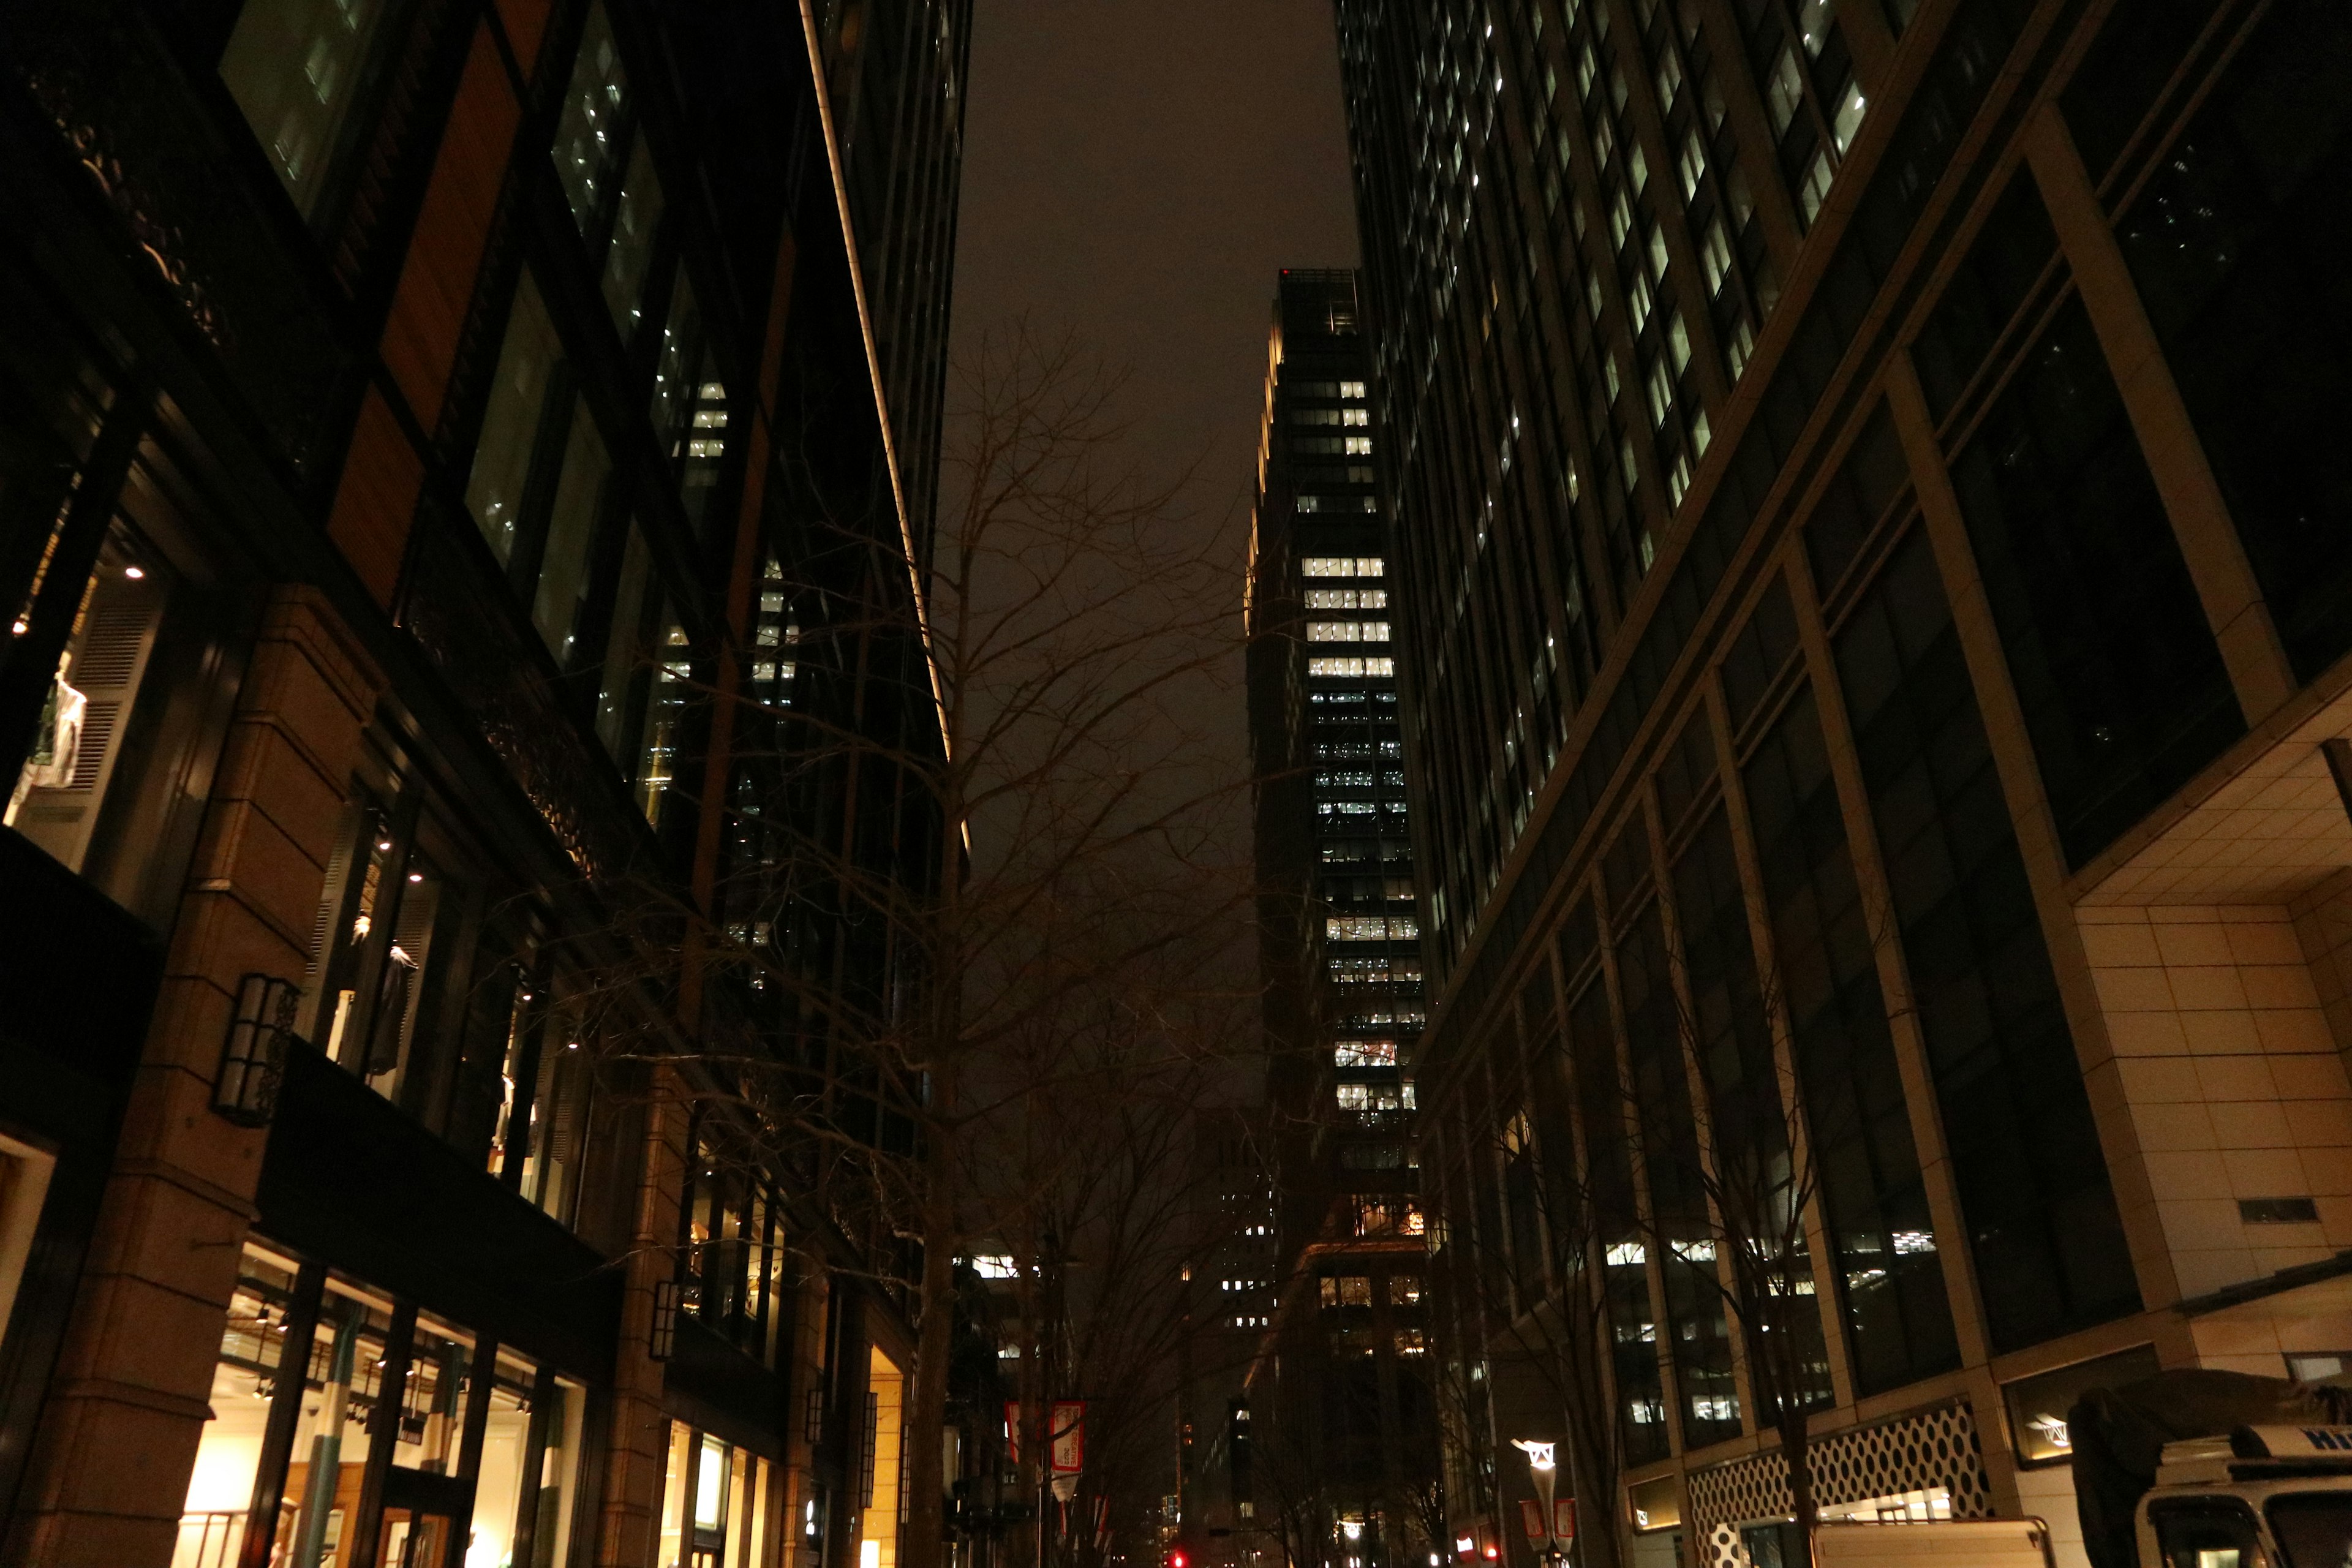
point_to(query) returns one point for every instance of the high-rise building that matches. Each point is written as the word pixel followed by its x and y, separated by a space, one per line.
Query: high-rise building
pixel 1342 1410
pixel 405 409
pixel 1872 590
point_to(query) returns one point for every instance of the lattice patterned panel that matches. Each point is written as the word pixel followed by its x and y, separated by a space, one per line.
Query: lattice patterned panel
pixel 1916 1453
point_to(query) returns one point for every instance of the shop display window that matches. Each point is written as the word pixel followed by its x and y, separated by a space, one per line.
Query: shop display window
pixel 716 1502
pixel 556 1122
pixel 385 936
pixel 116 680
pixel 731 1246
pixel 410 1440
pixel 24 1183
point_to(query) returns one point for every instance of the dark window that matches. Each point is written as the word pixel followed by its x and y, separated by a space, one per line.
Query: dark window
pixel 1686 773
pixel 1580 941
pixel 2137 51
pixel 1895 1310
pixel 1661 1089
pixel 2238 246
pixel 2009 255
pixel 1758 653
pixel 2124 690
pixel 1616 1227
pixel 2040 1218
pixel 1756 1196
pixel 1857 496
pixel 1625 869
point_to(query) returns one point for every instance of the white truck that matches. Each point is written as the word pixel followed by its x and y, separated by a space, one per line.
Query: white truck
pixel 2263 1497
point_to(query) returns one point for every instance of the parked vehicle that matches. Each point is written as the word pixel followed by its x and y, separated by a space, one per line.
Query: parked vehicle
pixel 1935 1544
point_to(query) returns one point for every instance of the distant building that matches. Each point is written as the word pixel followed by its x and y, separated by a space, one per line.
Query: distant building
pixel 1872 594
pixel 404 410
pixel 1338 1395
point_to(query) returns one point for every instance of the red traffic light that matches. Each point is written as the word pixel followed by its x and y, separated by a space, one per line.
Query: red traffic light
pixel 1493 1552
pixel 1175 1560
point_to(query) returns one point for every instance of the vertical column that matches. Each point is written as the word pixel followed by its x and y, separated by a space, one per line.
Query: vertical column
pixel 130 1396
pixel 635 1464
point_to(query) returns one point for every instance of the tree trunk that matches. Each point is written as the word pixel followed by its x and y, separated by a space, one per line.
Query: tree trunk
pixel 1796 1447
pixel 921 1544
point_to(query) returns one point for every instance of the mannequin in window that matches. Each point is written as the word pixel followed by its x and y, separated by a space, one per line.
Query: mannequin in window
pixel 56 743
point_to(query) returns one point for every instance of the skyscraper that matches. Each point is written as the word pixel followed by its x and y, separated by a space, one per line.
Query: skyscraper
pixel 405 409
pixel 1871 597
pixel 1340 1407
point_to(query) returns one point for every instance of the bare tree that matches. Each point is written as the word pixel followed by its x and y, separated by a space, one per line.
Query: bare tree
pixel 969 793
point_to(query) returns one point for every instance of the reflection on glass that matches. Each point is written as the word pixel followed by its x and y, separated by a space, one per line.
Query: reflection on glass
pixel 634 226
pixel 432 1405
pixel 558 1118
pixel 571 534
pixel 675 372
pixel 623 647
pixel 293 66
pixel 587 137
pixel 703 444
pixel 527 363
pixel 657 743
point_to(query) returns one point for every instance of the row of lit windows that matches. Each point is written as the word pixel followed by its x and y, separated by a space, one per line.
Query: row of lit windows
pixel 1356 1290
pixel 1370 927
pixel 1343 566
pixel 1346 669
pixel 1347 631
pixel 1347 598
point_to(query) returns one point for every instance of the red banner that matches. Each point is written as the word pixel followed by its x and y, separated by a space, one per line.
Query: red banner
pixel 1069 1427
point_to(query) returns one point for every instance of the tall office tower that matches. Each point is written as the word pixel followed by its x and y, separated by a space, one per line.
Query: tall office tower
pixel 405 409
pixel 1338 1398
pixel 1872 590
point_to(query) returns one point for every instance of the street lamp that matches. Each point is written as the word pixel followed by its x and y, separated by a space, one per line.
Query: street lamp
pixel 1546 1471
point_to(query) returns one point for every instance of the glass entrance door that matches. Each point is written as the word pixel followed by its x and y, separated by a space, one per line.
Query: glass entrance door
pixel 423 1518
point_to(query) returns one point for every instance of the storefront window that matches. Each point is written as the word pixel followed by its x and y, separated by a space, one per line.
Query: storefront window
pixel 291 1458
pixel 715 1503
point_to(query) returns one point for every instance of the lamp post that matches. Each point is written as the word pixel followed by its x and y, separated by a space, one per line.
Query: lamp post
pixel 1546 1471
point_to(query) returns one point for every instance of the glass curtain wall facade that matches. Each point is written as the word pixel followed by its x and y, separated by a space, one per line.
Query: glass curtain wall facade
pixel 1857 700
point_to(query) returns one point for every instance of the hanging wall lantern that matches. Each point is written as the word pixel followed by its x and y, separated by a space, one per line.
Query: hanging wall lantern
pixel 253 1057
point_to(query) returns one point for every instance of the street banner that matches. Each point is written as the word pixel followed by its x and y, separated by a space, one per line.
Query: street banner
pixel 1070 1429
pixel 1102 1522
pixel 1563 1520
pixel 1011 1431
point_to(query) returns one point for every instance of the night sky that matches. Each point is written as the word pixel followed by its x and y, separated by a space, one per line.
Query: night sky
pixel 1140 171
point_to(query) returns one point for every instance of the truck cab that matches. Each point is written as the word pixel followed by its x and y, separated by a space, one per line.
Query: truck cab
pixel 2263 1497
